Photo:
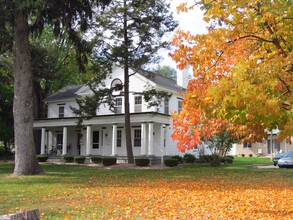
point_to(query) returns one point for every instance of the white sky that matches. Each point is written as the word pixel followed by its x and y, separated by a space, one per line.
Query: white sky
pixel 188 21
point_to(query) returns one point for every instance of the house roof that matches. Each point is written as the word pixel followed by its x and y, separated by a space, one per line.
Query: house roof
pixel 162 80
pixel 67 92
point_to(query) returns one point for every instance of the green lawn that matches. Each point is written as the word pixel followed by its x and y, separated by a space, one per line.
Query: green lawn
pixel 191 191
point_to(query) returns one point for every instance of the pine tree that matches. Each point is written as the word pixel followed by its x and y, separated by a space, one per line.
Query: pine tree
pixel 129 34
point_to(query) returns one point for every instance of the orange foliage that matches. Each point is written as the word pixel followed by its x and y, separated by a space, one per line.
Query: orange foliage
pixel 242 72
pixel 201 193
pixel 211 198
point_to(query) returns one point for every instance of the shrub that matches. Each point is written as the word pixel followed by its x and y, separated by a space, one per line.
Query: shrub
pixel 42 158
pixel 68 159
pixel 108 161
pixel 179 158
pixel 171 162
pixel 242 155
pixel 223 160
pixel 189 158
pixel 229 159
pixel 6 155
pixel 79 159
pixel 250 155
pixel 230 156
pixel 143 162
pixel 205 159
pixel 96 159
pixel 216 162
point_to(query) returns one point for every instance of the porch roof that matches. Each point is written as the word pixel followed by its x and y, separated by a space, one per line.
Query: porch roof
pixel 104 120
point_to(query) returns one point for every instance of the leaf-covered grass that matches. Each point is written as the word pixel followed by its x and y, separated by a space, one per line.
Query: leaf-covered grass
pixel 187 192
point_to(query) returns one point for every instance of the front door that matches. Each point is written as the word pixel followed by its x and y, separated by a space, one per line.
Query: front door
pixel 59 143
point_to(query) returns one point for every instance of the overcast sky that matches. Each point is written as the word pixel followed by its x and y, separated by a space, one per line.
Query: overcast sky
pixel 188 21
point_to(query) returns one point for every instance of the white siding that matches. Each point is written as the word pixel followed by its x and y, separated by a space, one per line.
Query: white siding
pixel 137 85
pixel 53 108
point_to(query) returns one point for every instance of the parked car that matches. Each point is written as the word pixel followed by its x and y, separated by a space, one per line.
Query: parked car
pixel 277 157
pixel 286 161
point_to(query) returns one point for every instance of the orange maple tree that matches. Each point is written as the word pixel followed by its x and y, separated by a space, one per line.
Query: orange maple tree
pixel 242 72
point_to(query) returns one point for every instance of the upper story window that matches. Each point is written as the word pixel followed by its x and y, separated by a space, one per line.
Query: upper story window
pixel 117 84
pixel 61 112
pixel 118 105
pixel 137 103
pixel 179 105
pixel 166 107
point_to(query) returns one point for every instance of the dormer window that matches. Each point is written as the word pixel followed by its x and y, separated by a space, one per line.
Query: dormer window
pixel 61 111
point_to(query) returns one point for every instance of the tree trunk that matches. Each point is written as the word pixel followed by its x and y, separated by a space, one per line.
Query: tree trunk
pixel 25 155
pixel 126 92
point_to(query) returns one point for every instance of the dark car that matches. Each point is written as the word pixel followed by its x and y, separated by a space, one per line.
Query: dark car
pixel 286 161
pixel 277 157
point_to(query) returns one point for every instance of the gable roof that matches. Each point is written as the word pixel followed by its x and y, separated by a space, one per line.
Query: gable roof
pixel 67 92
pixel 162 80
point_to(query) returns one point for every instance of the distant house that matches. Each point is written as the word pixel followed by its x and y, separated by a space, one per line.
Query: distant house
pixel 265 148
pixel 104 133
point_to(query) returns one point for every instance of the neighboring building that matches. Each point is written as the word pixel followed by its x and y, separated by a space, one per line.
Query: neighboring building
pixel 104 133
pixel 265 148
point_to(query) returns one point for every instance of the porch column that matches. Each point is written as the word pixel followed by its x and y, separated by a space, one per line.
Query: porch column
pixel 143 139
pixel 50 141
pixel 64 141
pixel 151 139
pixel 88 139
pixel 114 140
pixel 43 139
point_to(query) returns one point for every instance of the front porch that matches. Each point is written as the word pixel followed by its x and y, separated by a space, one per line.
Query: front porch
pixel 100 136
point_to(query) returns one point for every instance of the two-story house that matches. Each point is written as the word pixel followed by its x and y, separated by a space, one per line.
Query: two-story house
pixel 103 134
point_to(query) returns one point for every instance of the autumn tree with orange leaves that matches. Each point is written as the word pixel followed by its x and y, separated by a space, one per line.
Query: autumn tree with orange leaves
pixel 242 72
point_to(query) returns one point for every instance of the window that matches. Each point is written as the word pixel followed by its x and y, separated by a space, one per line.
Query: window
pixel 61 112
pixel 166 107
pixel 96 139
pixel 118 105
pixel 179 105
pixel 119 138
pixel 247 145
pixel 117 84
pixel 137 104
pixel 137 137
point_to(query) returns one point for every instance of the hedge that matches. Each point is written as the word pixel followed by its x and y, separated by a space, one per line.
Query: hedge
pixel 96 159
pixel 79 159
pixel 108 161
pixel 42 158
pixel 68 159
pixel 143 162
pixel 171 162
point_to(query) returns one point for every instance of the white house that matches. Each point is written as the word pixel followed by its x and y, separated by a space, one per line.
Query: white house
pixel 104 133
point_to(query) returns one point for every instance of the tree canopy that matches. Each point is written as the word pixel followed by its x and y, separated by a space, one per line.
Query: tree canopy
pixel 242 72
pixel 20 20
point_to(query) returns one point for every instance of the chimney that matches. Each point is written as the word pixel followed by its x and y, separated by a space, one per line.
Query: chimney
pixel 183 77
